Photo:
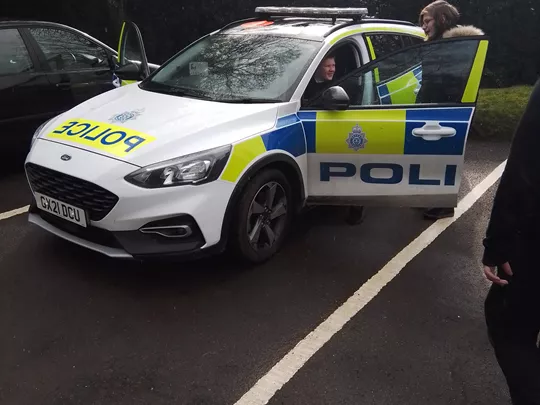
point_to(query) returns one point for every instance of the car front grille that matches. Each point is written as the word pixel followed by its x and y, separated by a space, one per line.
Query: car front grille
pixel 97 201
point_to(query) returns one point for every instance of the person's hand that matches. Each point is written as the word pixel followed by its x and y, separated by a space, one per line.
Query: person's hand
pixel 491 274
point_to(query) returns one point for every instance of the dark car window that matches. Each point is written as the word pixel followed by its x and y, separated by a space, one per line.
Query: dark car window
pixel 14 57
pixel 384 44
pixel 65 50
pixel 411 40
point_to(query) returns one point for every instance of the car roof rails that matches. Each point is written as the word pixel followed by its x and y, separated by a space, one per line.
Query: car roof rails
pixel 351 16
pixel 369 20
pixel 388 21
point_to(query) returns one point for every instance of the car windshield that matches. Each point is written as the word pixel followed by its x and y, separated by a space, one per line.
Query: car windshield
pixel 237 68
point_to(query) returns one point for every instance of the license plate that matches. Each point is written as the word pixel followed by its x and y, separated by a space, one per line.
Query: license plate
pixel 61 209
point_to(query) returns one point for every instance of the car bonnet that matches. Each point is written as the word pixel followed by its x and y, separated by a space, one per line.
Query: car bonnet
pixel 143 128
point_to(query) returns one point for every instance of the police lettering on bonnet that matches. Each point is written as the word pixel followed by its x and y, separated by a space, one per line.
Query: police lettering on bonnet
pixel 117 140
pixel 195 158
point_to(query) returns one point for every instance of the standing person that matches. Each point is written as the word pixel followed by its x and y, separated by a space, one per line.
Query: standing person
pixel 512 306
pixel 439 20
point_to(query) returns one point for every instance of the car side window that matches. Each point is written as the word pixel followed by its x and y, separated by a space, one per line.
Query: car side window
pixel 14 57
pixel 410 40
pixel 65 50
pixel 344 60
pixel 383 44
pixel 416 75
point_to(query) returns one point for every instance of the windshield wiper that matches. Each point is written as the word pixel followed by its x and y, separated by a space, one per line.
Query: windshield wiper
pixel 182 91
pixel 188 93
pixel 174 91
pixel 248 100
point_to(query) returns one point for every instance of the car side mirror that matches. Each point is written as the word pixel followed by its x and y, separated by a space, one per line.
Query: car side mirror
pixel 129 72
pixel 111 59
pixel 90 59
pixel 335 98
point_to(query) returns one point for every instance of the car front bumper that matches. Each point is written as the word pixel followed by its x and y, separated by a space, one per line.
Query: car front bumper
pixel 133 225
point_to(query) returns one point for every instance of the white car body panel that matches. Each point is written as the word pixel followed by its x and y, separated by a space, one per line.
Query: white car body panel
pixel 138 206
pixel 180 125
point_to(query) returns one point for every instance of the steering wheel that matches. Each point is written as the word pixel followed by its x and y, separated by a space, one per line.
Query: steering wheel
pixel 69 52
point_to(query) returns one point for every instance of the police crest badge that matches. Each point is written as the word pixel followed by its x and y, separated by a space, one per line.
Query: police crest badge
pixel 125 116
pixel 357 139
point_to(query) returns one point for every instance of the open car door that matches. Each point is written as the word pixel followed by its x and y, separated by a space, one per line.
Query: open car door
pixel 397 131
pixel 133 64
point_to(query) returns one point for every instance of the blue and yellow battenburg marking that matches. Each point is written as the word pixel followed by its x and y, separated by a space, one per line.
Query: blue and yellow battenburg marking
pixel 288 135
pixel 371 132
pixel 113 139
pixel 387 132
pixel 401 90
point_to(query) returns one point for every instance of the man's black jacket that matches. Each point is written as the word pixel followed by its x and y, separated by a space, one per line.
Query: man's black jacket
pixel 515 217
pixel 314 87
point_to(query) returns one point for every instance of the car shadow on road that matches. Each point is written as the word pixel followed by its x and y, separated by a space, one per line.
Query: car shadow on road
pixel 319 236
pixel 181 271
pixel 182 276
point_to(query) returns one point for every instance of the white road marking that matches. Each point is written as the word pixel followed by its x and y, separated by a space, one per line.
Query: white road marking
pixel 286 368
pixel 13 213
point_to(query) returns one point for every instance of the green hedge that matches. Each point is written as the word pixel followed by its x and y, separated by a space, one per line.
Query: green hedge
pixel 498 112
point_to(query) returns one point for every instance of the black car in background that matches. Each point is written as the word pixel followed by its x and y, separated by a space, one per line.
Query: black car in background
pixel 45 69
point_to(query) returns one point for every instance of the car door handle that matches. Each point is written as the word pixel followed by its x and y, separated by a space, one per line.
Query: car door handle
pixel 433 131
pixel 80 85
pixel 63 86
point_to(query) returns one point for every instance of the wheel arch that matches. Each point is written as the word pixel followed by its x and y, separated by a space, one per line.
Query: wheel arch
pixel 280 161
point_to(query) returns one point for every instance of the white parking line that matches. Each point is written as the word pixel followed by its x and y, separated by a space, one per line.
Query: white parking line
pixel 13 213
pixel 286 368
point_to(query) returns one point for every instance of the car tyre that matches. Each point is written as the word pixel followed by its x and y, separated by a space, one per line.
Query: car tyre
pixel 263 217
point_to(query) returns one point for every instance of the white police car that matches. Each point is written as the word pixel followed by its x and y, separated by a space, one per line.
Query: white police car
pixel 219 148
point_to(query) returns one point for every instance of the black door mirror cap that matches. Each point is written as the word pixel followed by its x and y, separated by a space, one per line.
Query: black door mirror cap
pixel 335 98
pixel 131 71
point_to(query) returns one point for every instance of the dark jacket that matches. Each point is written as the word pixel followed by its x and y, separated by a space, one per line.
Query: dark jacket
pixel 515 217
pixel 314 88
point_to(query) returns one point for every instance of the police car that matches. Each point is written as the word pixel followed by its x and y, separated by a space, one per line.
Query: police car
pixel 218 147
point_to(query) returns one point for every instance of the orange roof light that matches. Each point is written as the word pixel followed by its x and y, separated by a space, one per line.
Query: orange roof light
pixel 254 24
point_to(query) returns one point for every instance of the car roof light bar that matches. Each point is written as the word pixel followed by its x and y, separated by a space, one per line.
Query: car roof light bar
pixel 320 12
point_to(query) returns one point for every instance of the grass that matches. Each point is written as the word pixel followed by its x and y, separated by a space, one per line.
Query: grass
pixel 499 111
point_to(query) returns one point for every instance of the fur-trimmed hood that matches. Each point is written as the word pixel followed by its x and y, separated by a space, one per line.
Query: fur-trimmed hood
pixel 463 31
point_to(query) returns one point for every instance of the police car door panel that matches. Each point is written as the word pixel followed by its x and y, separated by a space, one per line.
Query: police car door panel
pixel 357 155
pixel 391 147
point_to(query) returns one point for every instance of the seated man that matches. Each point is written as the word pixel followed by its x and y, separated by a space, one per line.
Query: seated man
pixel 323 75
pixel 321 79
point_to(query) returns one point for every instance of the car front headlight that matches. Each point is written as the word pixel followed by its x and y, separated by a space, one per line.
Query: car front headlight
pixel 197 168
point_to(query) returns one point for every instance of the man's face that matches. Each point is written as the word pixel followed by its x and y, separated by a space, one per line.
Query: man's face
pixel 326 69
